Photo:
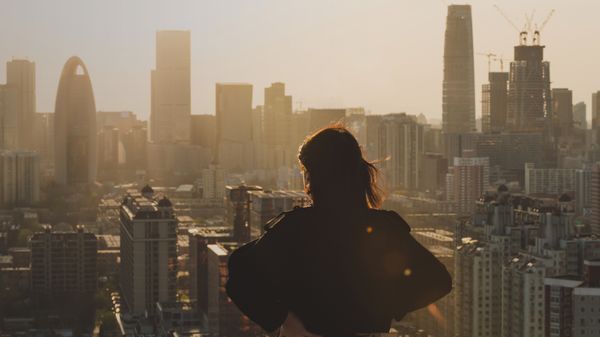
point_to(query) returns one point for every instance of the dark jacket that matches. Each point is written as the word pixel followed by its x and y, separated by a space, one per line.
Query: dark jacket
pixel 339 272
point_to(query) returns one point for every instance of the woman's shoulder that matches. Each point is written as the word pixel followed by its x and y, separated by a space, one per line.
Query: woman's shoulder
pixel 287 219
pixel 388 218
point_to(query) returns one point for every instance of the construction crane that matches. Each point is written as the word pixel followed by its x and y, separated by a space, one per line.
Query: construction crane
pixel 489 56
pixel 494 57
pixel 507 18
pixel 501 60
pixel 536 33
pixel 522 32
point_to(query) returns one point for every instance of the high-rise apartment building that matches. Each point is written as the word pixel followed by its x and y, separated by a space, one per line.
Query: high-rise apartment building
pixel 199 239
pixel 148 269
pixel 276 126
pixel 75 126
pixel 63 263
pixel 401 143
pixel 595 200
pixel 234 126
pixel 468 177
pixel 171 88
pixel 549 180
pixel 580 115
pixel 596 110
pixel 458 106
pixel 494 102
pixel 135 143
pixel 213 183
pixel 19 178
pixel 523 306
pixel 529 96
pixel 43 139
pixel 18 106
pixel 108 152
pixel 562 111
pixel 477 291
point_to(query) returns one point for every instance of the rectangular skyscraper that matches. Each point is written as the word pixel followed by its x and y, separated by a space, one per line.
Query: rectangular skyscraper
pixel 580 115
pixel 494 102
pixel 234 126
pixel 171 82
pixel 276 125
pixel 562 110
pixel 595 110
pixel 17 105
pixel 458 105
pixel 401 140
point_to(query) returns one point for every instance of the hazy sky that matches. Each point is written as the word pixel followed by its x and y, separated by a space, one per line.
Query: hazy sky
pixel 385 55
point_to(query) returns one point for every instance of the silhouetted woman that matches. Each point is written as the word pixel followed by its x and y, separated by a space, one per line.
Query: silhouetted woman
pixel 341 267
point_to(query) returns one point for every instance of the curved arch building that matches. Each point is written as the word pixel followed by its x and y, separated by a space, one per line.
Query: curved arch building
pixel 75 126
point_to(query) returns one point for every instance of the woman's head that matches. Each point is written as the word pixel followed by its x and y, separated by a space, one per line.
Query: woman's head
pixel 335 172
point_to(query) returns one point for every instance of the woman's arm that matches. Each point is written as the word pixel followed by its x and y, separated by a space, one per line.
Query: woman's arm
pixel 256 273
pixel 420 277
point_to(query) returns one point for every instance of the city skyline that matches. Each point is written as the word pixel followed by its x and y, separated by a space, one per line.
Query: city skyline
pixel 379 74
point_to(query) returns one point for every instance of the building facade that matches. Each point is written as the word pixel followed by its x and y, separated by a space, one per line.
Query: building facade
pixel 401 144
pixel 75 126
pixel 458 93
pixel 529 95
pixel 63 263
pixel 234 126
pixel 494 102
pixel 148 267
pixel 171 88
pixel 19 178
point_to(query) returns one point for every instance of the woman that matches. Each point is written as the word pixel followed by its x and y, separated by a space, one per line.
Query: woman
pixel 341 267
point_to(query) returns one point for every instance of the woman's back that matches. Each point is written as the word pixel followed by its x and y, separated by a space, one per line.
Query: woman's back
pixel 340 272
pixel 341 267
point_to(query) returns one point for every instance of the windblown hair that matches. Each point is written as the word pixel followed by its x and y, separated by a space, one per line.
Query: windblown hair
pixel 336 172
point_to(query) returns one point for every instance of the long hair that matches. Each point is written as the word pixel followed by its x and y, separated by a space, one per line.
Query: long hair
pixel 335 171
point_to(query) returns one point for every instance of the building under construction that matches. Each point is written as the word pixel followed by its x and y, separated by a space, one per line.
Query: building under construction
pixel 529 94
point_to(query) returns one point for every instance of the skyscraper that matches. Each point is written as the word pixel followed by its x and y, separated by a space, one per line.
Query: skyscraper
pixel 17 105
pixel 19 178
pixel 458 98
pixel 467 179
pixel 595 200
pixel 148 250
pixel 234 126
pixel 75 126
pixel 277 118
pixel 580 115
pixel 494 102
pixel 596 110
pixel 401 140
pixel 529 96
pixel 171 88
pixel 562 110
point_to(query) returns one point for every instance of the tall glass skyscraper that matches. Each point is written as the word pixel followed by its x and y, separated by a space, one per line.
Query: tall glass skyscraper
pixel 458 102
pixel 75 126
